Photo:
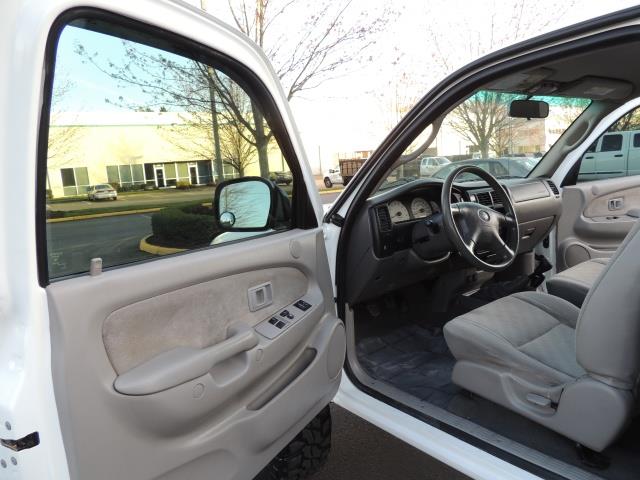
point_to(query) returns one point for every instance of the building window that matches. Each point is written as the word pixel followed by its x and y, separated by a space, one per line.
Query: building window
pixel 75 181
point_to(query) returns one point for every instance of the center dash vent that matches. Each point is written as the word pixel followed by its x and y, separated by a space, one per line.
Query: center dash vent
pixel 553 188
pixel 384 219
pixel 485 198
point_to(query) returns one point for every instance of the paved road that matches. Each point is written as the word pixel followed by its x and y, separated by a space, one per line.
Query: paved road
pixel 73 244
pixel 361 451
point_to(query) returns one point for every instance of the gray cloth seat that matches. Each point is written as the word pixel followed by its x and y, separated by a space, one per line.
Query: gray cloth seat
pixel 574 283
pixel 530 333
pixel 572 370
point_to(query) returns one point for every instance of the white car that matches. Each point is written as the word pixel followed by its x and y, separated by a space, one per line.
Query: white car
pixel 430 165
pixel 332 177
pixel 104 191
pixel 412 302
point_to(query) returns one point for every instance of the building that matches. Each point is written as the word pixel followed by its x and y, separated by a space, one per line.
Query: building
pixel 131 150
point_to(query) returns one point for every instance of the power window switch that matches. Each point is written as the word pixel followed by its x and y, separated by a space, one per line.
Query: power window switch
pixel 302 305
pixel 280 324
pixel 273 320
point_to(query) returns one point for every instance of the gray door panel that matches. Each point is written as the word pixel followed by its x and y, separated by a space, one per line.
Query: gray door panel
pixel 596 217
pixel 200 392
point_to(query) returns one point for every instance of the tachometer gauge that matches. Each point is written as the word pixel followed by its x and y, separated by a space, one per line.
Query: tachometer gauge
pixel 398 212
pixel 420 208
pixel 435 207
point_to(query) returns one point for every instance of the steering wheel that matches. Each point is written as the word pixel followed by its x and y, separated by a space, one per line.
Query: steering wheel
pixel 473 227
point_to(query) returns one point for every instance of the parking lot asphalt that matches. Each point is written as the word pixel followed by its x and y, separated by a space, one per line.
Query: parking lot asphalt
pixel 362 451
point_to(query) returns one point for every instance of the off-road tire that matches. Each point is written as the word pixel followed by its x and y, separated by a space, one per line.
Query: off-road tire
pixel 306 453
pixel 327 182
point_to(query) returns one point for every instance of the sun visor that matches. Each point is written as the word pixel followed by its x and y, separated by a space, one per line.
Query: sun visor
pixel 597 88
pixel 521 81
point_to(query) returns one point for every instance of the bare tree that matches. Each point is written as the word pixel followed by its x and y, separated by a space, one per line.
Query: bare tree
pixel 309 42
pixel 205 98
pixel 629 121
pixel 483 119
pixel 62 132
pixel 236 151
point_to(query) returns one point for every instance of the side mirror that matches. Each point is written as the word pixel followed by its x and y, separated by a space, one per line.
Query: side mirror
pixel 245 205
pixel 528 109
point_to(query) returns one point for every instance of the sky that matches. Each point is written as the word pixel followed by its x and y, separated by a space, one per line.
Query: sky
pixel 352 112
pixel 424 42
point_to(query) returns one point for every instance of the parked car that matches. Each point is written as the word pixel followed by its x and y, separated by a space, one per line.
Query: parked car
pixel 281 178
pixel 408 306
pixel 428 165
pixel 332 177
pixel 103 191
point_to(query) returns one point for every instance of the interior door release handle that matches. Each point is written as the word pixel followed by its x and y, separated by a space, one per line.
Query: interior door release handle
pixel 177 366
pixel 616 203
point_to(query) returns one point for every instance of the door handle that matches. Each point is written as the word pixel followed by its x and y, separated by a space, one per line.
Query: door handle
pixel 616 203
pixel 618 155
pixel 590 156
pixel 182 364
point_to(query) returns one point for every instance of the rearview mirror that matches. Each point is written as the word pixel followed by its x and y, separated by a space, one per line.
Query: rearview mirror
pixel 528 109
pixel 244 204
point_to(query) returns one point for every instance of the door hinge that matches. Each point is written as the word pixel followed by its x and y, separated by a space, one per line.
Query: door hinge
pixel 337 220
pixel 30 441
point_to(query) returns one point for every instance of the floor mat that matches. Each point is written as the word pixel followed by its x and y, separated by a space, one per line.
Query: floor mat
pixel 415 360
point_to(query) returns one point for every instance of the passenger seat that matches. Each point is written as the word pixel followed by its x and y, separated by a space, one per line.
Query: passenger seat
pixel 574 283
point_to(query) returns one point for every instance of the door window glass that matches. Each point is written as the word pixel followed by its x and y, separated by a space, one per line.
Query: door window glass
pixel 611 143
pixel 163 130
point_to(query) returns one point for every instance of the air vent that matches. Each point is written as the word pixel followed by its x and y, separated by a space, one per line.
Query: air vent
pixel 485 198
pixel 553 188
pixel 384 219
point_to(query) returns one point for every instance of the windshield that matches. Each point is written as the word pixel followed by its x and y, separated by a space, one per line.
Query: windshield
pixel 480 132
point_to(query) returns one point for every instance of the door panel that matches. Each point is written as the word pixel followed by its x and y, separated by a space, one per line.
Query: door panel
pixel 595 218
pixel 144 323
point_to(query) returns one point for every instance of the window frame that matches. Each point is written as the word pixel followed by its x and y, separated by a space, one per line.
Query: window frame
pixel 302 211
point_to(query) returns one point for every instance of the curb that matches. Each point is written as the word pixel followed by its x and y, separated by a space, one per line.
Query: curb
pixel 102 215
pixel 330 190
pixel 156 250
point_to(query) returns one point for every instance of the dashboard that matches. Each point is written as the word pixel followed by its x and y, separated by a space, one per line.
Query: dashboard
pixel 382 254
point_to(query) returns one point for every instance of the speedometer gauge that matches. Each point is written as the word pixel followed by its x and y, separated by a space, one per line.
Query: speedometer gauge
pixel 420 208
pixel 398 212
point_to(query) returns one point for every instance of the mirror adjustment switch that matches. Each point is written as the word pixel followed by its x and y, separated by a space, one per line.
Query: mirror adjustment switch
pixel 284 313
pixel 302 305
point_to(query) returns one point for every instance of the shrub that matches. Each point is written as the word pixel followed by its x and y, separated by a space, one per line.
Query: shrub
pixel 55 214
pixel 183 185
pixel 185 227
